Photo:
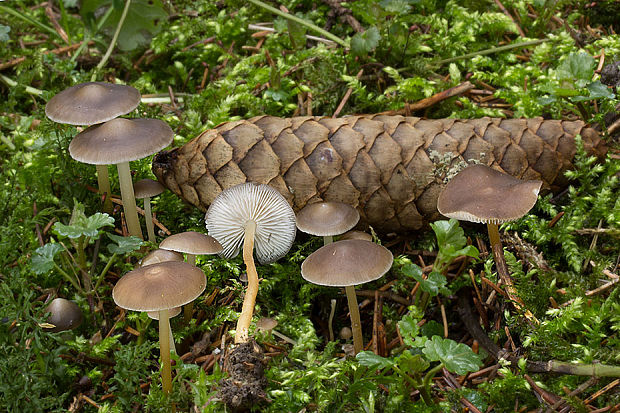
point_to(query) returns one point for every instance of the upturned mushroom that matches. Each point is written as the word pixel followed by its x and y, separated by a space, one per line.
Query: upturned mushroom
pixel 481 194
pixel 89 104
pixel 346 264
pixel 160 287
pixel 145 189
pixel 260 219
pixel 120 141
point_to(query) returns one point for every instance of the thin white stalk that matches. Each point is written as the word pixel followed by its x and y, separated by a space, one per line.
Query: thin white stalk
pixel 164 350
pixel 103 181
pixel 148 216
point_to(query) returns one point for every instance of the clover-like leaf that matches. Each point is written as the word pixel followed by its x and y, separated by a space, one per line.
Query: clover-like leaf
pixel 449 233
pixel 4 33
pixel 456 357
pixel 411 363
pixel 577 68
pixel 43 258
pixel 364 43
pixel 370 359
pixel 124 245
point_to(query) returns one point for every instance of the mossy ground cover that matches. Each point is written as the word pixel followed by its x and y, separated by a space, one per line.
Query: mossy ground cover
pixel 202 63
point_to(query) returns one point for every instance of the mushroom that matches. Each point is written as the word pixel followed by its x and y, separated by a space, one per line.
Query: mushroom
pixel 356 235
pixel 346 264
pixel 160 255
pixel 481 194
pixel 160 287
pixel 173 312
pixel 326 219
pixel 120 141
pixel 191 243
pixel 91 103
pixel 251 215
pixel 145 189
pixel 64 315
pixel 268 324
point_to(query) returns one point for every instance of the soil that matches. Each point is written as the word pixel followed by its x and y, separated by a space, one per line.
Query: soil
pixel 244 387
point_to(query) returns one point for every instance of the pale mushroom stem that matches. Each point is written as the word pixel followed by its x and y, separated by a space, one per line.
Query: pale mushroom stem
pixel 103 181
pixel 247 310
pixel 188 309
pixel 354 311
pixel 129 200
pixel 164 350
pixel 356 324
pixel 148 217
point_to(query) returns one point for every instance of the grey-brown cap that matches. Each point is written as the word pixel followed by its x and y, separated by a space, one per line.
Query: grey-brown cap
pixel 64 315
pixel 266 324
pixel 173 312
pixel 345 263
pixel 356 235
pixel 161 255
pixel 92 102
pixel 147 188
pixel 274 217
pixel 120 140
pixel 191 242
pixel 481 194
pixel 327 218
pixel 159 286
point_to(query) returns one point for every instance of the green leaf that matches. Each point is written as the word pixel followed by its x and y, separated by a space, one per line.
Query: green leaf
pixel 435 282
pixel 409 330
pixel 411 363
pixel 144 19
pixel 297 34
pixel 124 245
pixel 596 90
pixel 370 359
pixel 578 67
pixel 412 270
pixel 4 33
pixel 457 357
pixel 43 258
pixel 449 233
pixel 80 225
pixel 364 43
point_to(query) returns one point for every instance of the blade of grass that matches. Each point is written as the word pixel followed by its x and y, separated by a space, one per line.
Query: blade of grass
pixel 30 20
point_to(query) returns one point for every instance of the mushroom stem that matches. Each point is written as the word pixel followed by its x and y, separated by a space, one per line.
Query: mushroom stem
pixel 188 309
pixel 247 310
pixel 129 201
pixel 356 324
pixel 164 350
pixel 148 217
pixel 103 181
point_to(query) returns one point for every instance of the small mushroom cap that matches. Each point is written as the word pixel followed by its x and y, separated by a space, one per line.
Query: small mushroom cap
pixel 161 255
pixel 120 140
pixel 146 188
pixel 92 102
pixel 345 263
pixel 234 207
pixel 356 235
pixel 327 218
pixel 159 286
pixel 266 324
pixel 481 194
pixel 191 242
pixel 65 315
pixel 173 312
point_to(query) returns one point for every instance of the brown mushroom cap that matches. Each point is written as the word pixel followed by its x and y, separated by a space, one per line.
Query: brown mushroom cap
pixel 327 218
pixel 266 324
pixel 173 312
pixel 147 188
pixel 481 194
pixel 120 140
pixel 159 286
pixel 191 242
pixel 234 207
pixel 92 102
pixel 65 315
pixel 356 235
pixel 345 263
pixel 161 255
